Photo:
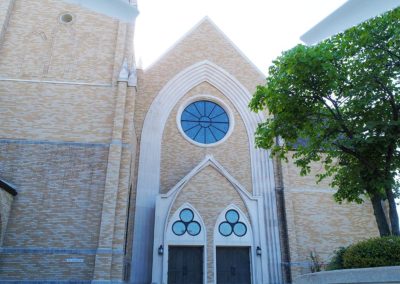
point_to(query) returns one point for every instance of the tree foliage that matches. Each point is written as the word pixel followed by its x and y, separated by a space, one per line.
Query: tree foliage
pixel 341 97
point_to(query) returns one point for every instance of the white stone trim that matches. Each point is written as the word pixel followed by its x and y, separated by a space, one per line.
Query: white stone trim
pixel 311 190
pixel 163 235
pixel 150 161
pixel 118 9
pixel 233 240
pixel 255 225
pixel 209 160
pixel 55 82
pixel 246 241
pixel 171 238
pixel 212 99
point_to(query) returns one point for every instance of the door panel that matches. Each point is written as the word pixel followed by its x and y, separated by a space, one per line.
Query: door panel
pixel 233 265
pixel 185 265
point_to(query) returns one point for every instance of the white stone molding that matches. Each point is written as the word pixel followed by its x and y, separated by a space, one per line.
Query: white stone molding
pixel 254 237
pixel 55 82
pixel 163 236
pixel 119 9
pixel 124 72
pixel 150 161
pixel 233 240
pixel 249 240
pixel 132 78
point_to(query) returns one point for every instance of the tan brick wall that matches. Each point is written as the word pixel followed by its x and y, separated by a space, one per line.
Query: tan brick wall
pixel 38 46
pixel 292 178
pixel 59 201
pixel 56 112
pixel 6 200
pixel 58 84
pixel 316 222
pixel 204 43
pixel 179 156
pixel 60 194
pixel 40 266
pixel 209 193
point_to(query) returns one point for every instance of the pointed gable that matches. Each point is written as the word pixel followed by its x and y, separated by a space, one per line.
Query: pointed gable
pixel 208 161
pixel 210 189
pixel 206 41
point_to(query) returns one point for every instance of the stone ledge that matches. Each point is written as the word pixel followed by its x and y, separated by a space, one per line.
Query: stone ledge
pixel 388 274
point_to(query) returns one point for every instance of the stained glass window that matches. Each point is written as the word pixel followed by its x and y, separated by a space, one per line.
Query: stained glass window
pixel 205 122
pixel 186 224
pixel 232 225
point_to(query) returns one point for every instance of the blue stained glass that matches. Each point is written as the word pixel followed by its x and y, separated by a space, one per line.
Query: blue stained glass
pixel 179 228
pixel 240 229
pixel 225 229
pixel 205 122
pixel 189 116
pixel 232 216
pixel 193 228
pixel 193 109
pixel 186 215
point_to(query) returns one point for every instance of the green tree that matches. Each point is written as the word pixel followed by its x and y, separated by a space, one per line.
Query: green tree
pixel 341 98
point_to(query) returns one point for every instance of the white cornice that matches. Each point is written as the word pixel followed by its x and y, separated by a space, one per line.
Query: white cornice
pixel 119 9
pixel 351 13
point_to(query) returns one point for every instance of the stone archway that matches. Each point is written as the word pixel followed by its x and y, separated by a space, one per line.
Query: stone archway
pixel 150 156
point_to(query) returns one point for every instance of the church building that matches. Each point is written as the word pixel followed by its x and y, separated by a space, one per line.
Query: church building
pixel 114 174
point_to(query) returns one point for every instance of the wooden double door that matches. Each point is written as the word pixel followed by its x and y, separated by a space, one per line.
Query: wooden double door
pixel 233 265
pixel 185 265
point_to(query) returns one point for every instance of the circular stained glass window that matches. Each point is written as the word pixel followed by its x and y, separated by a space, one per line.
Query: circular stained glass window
pixel 186 224
pixel 205 122
pixel 179 228
pixel 232 225
pixel 240 229
pixel 193 228
pixel 186 215
pixel 232 216
pixel 225 229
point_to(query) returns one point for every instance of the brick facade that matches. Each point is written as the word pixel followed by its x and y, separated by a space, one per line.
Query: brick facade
pixel 71 139
pixel 66 141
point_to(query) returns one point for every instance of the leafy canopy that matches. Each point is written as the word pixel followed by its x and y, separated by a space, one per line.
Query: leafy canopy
pixel 341 98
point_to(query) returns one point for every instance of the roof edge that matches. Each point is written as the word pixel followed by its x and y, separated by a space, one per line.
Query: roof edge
pixel 185 35
pixel 176 43
pixel 349 14
pixel 8 187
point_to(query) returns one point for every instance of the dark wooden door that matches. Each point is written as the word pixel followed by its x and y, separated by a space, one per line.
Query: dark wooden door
pixel 233 265
pixel 185 265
